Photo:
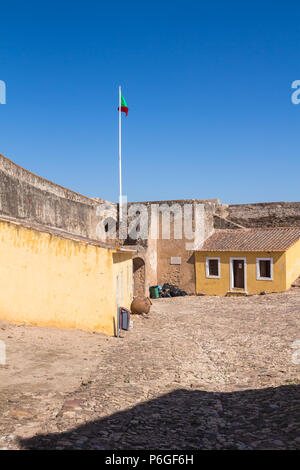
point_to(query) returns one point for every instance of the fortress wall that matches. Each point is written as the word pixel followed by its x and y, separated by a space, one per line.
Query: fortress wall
pixel 33 199
pixel 26 196
pixel 265 214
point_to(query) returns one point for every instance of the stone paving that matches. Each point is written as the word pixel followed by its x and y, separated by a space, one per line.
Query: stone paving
pixel 196 373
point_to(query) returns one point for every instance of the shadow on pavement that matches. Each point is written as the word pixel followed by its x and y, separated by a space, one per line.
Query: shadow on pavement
pixel 186 419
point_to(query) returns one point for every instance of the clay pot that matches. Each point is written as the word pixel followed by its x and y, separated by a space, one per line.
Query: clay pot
pixel 140 305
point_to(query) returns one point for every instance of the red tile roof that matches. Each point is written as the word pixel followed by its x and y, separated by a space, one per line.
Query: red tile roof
pixel 256 239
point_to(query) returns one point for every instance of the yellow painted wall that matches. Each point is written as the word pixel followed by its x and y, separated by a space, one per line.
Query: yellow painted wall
pixel 292 264
pixel 221 286
pixel 122 268
pixel 47 280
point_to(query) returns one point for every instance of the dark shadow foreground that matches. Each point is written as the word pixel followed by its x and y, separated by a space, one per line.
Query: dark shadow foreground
pixel 185 419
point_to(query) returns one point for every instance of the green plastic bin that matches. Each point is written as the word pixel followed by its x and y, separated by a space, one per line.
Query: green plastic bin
pixel 154 294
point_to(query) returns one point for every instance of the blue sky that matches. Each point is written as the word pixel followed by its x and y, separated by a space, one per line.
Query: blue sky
pixel 208 87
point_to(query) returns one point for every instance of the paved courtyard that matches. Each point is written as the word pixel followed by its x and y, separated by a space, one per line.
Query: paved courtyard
pixel 198 372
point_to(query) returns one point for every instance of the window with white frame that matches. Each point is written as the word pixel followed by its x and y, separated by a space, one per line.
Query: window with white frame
pixel 264 269
pixel 213 268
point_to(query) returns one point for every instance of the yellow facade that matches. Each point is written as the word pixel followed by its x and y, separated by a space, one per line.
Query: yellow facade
pixel 122 269
pixel 48 280
pixel 293 264
pixel 286 268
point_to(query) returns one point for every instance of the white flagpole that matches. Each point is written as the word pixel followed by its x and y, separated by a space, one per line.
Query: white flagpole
pixel 120 158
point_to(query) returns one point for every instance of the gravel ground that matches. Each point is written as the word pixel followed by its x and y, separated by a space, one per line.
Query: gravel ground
pixel 197 373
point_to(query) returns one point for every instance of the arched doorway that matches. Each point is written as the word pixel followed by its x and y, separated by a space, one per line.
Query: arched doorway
pixel 138 276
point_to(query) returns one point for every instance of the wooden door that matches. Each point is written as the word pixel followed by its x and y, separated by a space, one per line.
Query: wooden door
pixel 239 273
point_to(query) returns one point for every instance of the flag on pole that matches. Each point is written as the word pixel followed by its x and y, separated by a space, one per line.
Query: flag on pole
pixel 124 107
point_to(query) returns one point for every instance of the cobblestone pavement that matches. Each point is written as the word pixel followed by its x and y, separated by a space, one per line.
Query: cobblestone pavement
pixel 198 372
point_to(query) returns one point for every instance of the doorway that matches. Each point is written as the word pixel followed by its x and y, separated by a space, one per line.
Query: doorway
pixel 138 276
pixel 238 273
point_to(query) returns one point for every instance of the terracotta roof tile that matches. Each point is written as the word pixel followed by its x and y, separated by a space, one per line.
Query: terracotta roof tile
pixel 256 239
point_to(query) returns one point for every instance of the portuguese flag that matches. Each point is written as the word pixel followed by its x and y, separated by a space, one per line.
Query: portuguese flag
pixel 124 107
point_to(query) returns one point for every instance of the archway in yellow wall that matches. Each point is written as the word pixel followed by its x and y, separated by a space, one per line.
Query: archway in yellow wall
pixel 138 276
